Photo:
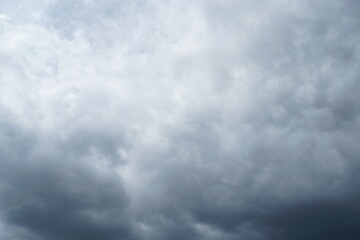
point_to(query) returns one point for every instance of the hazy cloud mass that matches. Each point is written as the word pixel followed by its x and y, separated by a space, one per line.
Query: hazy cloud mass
pixel 179 119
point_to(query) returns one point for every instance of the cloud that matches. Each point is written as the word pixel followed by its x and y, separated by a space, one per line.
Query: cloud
pixel 179 120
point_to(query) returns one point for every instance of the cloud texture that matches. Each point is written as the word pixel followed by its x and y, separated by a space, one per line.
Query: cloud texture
pixel 156 120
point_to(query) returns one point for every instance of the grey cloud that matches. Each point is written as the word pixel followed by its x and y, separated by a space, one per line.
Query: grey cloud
pixel 237 166
pixel 316 220
pixel 207 120
pixel 59 193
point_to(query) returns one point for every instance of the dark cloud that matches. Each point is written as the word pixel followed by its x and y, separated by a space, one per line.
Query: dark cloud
pixel 316 220
pixel 58 192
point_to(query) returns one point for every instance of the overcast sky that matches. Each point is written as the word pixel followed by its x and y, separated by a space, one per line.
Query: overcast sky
pixel 179 119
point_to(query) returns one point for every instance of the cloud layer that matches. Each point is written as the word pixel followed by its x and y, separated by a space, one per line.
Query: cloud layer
pixel 150 120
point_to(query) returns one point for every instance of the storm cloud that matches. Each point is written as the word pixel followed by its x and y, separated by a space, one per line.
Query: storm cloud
pixel 156 120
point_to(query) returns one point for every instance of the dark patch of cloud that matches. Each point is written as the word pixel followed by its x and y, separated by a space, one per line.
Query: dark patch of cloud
pixel 61 193
pixel 316 220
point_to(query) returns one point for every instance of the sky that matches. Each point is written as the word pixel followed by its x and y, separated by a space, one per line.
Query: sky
pixel 179 119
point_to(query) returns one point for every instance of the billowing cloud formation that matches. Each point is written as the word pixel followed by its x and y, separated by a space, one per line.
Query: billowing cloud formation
pixel 179 120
